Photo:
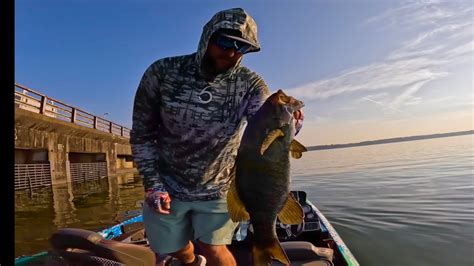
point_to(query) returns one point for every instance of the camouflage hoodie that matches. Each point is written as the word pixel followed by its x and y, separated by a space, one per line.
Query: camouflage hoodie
pixel 186 130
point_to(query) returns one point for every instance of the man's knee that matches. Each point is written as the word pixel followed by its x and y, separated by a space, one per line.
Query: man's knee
pixel 217 254
pixel 185 252
pixel 211 250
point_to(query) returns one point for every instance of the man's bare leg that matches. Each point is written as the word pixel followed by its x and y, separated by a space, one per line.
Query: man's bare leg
pixel 217 255
pixel 186 254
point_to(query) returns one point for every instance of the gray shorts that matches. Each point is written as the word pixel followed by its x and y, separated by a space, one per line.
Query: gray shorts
pixel 207 221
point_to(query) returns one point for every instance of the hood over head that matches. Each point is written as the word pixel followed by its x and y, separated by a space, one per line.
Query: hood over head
pixel 235 19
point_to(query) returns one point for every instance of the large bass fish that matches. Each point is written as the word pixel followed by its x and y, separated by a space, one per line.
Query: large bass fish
pixel 260 190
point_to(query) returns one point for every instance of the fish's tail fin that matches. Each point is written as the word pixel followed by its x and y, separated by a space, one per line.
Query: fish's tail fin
pixel 262 256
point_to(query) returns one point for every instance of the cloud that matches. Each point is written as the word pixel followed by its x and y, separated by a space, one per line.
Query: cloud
pixel 421 13
pixel 443 37
pixel 316 119
pixel 377 96
pixel 443 42
pixel 407 95
pixel 442 99
pixel 450 102
pixel 383 105
pixel 346 108
pixel 377 76
pixel 462 52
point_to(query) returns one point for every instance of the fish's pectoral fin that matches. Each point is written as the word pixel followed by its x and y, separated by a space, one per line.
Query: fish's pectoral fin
pixel 236 208
pixel 291 213
pixel 271 137
pixel 297 149
pixel 264 255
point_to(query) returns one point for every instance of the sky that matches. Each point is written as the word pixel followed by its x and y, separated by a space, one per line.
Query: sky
pixel 365 69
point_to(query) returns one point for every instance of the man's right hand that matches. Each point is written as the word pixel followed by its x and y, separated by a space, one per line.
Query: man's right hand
pixel 158 200
pixel 299 117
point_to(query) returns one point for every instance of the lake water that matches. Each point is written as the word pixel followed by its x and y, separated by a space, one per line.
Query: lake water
pixel 408 203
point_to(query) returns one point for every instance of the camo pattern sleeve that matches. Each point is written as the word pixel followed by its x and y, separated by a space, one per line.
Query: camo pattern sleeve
pixel 145 129
pixel 258 95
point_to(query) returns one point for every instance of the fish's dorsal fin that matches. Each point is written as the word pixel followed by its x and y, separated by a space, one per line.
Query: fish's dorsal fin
pixel 271 137
pixel 236 208
pixel 296 149
pixel 291 213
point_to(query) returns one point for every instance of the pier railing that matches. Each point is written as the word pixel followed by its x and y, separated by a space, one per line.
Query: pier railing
pixel 28 99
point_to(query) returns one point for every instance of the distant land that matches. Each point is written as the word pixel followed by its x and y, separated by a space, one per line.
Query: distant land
pixel 392 140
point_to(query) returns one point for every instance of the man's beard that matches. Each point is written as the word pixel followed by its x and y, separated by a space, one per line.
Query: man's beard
pixel 209 67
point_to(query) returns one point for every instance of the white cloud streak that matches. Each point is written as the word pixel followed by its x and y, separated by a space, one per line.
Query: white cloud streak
pixel 445 37
pixel 407 95
pixel 383 105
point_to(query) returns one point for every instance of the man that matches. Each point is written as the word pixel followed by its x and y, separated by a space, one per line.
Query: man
pixel 189 114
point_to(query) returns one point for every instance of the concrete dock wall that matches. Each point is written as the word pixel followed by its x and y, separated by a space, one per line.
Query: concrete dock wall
pixel 34 131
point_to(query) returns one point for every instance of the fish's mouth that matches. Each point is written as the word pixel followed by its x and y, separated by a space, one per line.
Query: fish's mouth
pixel 290 106
pixel 294 107
pixel 298 106
pixel 292 112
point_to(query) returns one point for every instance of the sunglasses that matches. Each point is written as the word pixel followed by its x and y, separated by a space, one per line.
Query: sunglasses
pixel 228 43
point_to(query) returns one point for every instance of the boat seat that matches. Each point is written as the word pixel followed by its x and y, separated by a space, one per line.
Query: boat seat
pixel 68 239
pixel 320 262
pixel 302 253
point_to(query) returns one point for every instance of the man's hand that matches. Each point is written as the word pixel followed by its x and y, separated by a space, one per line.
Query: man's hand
pixel 159 200
pixel 299 117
